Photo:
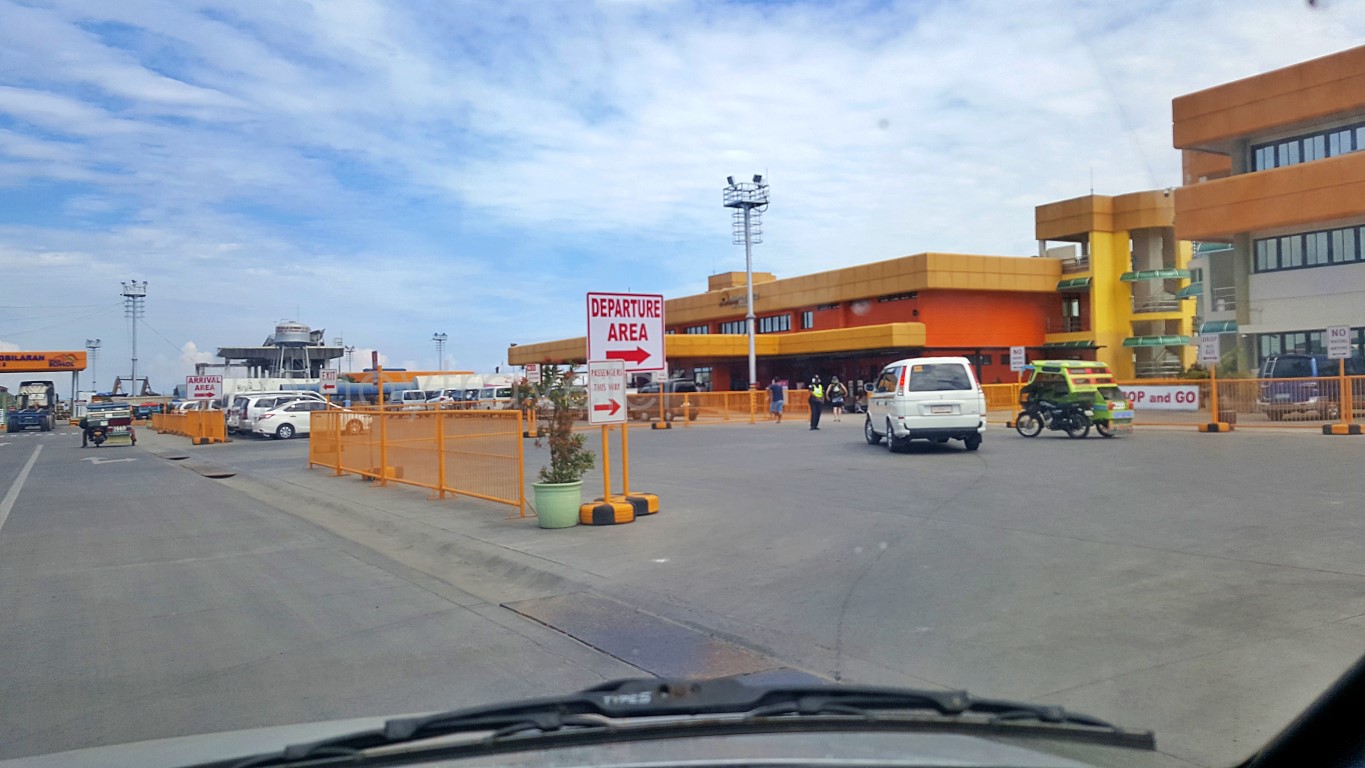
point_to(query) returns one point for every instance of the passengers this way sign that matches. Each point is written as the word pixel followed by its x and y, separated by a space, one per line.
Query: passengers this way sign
pixel 627 327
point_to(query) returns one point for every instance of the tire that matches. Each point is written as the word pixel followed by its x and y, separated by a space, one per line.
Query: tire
pixel 692 414
pixel 285 431
pixel 354 427
pixel 1102 427
pixel 869 433
pixel 1274 415
pixel 892 443
pixel 1077 432
pixel 1028 424
pixel 972 442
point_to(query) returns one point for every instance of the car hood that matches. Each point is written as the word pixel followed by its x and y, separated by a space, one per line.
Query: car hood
pixel 186 750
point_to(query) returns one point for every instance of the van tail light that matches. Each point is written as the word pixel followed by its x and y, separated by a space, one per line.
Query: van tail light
pixel 905 373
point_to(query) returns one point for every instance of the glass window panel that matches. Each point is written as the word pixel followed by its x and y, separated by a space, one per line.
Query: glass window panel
pixel 1263 262
pixel 1291 251
pixel 1314 148
pixel 1289 153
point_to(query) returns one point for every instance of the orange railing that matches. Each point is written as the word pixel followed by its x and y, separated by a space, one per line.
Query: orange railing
pixel 449 451
pixel 199 426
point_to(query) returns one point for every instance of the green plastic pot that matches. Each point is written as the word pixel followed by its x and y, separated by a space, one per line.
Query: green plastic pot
pixel 557 503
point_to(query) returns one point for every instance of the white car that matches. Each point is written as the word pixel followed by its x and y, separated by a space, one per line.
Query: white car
pixel 247 406
pixel 285 421
pixel 926 398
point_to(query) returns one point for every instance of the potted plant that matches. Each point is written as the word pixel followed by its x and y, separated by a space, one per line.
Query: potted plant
pixel 560 490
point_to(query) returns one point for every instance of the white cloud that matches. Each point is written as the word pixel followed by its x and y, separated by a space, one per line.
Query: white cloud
pixel 388 172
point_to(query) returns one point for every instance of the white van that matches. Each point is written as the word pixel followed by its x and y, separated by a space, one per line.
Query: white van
pixel 926 398
pixel 247 406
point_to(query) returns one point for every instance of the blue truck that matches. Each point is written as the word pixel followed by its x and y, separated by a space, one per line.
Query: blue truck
pixel 36 407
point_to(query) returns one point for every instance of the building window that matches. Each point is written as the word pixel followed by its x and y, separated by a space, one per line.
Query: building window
pixel 807 320
pixel 1311 249
pixel 1305 343
pixel 696 329
pixel 826 307
pixel 774 324
pixel 898 297
pixel 1005 359
pixel 1309 147
pixel 702 375
pixel 734 326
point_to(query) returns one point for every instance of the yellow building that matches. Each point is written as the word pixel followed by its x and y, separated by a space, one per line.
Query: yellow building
pixel 1125 280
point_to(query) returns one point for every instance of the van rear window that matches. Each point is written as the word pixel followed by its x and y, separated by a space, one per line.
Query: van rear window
pixel 938 377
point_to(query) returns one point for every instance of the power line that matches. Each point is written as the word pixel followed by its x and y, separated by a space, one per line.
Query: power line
pixel 170 343
pixel 102 310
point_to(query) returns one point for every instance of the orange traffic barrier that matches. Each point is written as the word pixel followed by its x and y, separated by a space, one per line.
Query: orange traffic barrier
pixel 200 427
pixel 461 452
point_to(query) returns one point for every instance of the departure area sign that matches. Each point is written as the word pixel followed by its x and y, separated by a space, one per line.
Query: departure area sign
pixel 628 327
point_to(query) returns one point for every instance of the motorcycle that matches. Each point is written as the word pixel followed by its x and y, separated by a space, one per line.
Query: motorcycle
pixel 1071 418
pixel 97 435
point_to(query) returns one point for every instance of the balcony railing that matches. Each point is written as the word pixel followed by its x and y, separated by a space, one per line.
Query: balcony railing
pixel 1075 265
pixel 1162 303
pixel 1067 325
pixel 1223 299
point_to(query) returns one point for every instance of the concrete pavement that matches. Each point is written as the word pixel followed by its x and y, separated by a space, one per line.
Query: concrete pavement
pixel 1205 586
pixel 140 600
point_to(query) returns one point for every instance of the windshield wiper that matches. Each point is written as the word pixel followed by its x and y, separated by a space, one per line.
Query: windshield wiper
pixel 732 705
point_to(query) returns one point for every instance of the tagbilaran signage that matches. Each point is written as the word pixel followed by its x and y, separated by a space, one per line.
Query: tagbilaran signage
pixel 41 362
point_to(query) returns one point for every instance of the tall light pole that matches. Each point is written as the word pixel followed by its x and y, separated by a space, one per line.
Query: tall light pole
pixel 93 345
pixel 749 200
pixel 134 294
pixel 350 353
pixel 440 339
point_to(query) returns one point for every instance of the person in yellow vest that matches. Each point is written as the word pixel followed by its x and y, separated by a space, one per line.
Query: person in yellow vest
pixel 816 400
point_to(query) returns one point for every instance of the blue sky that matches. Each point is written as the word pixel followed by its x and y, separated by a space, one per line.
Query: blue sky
pixel 388 170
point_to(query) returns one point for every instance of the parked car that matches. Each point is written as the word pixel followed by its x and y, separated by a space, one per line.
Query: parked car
pixel 1306 392
pixel 644 403
pixel 292 418
pixel 246 406
pixel 926 398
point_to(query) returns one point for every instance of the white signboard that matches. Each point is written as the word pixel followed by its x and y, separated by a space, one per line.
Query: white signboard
pixel 607 392
pixel 533 373
pixel 1339 342
pixel 628 327
pixel 203 387
pixel 1018 361
pixel 1156 398
pixel 328 381
pixel 1209 353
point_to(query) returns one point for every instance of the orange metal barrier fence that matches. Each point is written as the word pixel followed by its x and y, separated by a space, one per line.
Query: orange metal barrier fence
pixel 462 452
pixel 199 426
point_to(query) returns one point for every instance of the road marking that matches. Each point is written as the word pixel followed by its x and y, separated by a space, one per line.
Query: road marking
pixel 8 503
pixel 95 460
pixel 4 443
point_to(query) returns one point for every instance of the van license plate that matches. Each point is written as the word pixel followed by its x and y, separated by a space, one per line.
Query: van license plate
pixel 940 409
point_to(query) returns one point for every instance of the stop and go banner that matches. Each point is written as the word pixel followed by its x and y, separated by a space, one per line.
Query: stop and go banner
pixel 1158 398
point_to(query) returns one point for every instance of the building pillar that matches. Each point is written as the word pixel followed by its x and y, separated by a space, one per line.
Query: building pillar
pixel 1241 282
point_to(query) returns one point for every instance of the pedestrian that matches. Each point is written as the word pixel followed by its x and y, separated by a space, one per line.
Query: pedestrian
pixel 836 394
pixel 777 399
pixel 816 401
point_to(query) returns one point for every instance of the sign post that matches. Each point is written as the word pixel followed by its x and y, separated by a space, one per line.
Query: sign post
pixel 1339 349
pixel 1018 362
pixel 606 393
pixel 327 382
pixel 628 327
pixel 203 387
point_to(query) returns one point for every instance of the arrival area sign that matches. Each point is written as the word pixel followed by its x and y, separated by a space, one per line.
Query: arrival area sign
pixel 628 327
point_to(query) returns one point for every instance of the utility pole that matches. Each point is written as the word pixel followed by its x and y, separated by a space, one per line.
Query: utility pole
pixel 93 346
pixel 749 200
pixel 440 339
pixel 134 295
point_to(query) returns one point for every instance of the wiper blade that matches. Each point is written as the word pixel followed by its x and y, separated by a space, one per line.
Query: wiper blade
pixel 611 705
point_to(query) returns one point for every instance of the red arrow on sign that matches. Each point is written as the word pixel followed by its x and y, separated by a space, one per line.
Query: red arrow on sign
pixel 613 407
pixel 637 355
